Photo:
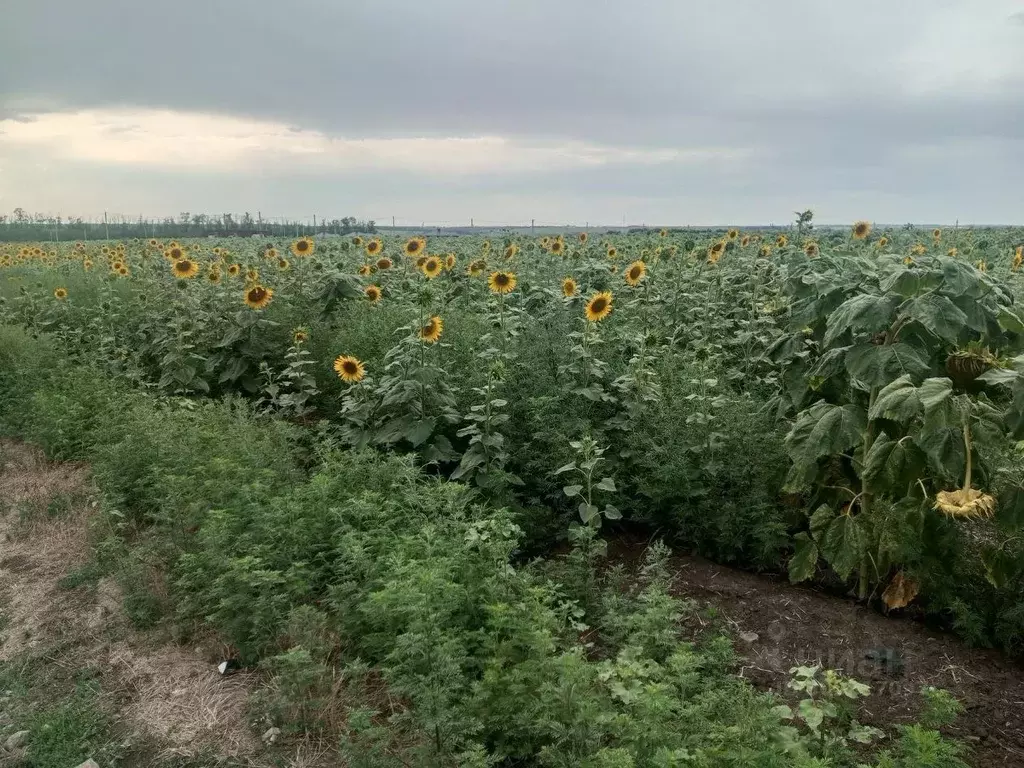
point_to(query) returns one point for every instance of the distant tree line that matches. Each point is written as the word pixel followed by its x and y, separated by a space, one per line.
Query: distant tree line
pixel 21 226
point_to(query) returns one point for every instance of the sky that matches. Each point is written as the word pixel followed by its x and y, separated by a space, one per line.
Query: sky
pixel 502 111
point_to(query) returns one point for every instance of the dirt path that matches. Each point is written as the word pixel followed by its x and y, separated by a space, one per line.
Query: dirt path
pixel 168 700
pixel 798 626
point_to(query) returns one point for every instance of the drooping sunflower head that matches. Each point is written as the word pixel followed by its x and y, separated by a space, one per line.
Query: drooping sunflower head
pixel 918 249
pixel 384 263
pixel 234 270
pixel 486 245
pixel 420 261
pixel 300 336
pixel 476 267
pixel 569 287
pixel 449 262
pixel 373 293
pixel 60 293
pixel 357 241
pixel 431 332
pixel 965 502
pixel 732 234
pixel 965 364
pixel 501 282
pixel 937 233
pixel 599 306
pixel 365 270
pixel 635 273
pixel 415 246
pixel 258 296
pixel 952 253
pixel 511 250
pixel 374 247
pixel 304 246
pixel 184 268
pixel 812 249
pixel 1018 258
pixel 349 369
pixel 716 250
pixel 583 237
pixel 861 229
pixel 781 241
pixel 545 242
pixel 431 267
pixel 745 241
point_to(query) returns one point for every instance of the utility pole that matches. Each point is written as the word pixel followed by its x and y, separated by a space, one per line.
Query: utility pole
pixel 392 222
pixel 531 227
pixel 106 226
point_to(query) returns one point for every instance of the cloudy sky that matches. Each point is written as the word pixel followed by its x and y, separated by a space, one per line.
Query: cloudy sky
pixel 566 111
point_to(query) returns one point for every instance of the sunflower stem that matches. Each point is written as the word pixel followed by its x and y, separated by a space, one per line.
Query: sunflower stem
pixel 967 445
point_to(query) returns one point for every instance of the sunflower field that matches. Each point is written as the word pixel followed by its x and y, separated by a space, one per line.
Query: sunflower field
pixel 360 453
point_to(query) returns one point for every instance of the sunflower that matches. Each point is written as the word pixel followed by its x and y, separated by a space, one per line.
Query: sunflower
pixel 384 263
pixel 449 262
pixel 487 245
pixel 883 241
pixel 476 267
pixel 414 246
pixel 952 252
pixel 234 269
pixel 511 250
pixel 87 264
pixel 357 241
pixel 284 265
pixel 373 293
pixel 918 249
pixel 185 268
pixel 153 243
pixel 270 253
pixel 861 229
pixel 216 250
pixel 966 502
pixel 60 293
pixel 812 249
pixel 635 273
pixel 764 251
pixel 375 246
pixel 663 233
pixel 123 271
pixel 599 306
pixel 545 242
pixel 349 369
pixel 745 241
pixel 716 250
pixel 173 253
pixel 300 336
pixel 365 270
pixel 612 251
pixel 431 267
pixel 252 275
pixel 982 266
pixel 431 332
pixel 304 246
pixel 781 241
pixel 583 237
pixel 213 276
pixel 501 282
pixel 1018 258
pixel 569 287
pixel 420 261
pixel 937 233
pixel 732 234
pixel 258 296
pixel 557 246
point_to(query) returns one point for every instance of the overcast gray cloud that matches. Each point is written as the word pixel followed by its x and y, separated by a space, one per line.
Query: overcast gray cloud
pixel 661 111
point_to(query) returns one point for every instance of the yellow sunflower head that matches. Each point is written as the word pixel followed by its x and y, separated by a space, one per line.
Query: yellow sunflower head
pixel 967 502
pixel 304 246
pixel 476 267
pixel 123 271
pixel 764 251
pixel 511 250
pixel 449 262
pixel 663 233
pixel 234 270
pixel 612 251
pixel 349 369
pixel 812 249
pixel 258 296
pixel 781 241
pixel 172 254
pixel 365 270
pixel 861 229
pixel 583 237
pixel 952 252
pixel 284 265
pixel 918 249
pixel 374 247
pixel 635 273
pixel 384 263
pixel 557 246
pixel 732 234
pixel 599 306
pixel 745 241
pixel 300 336
pixel 415 246
pixel 373 293
pixel 431 267
pixel 184 268
pixel 1018 258
pixel 501 282
pixel 270 253
pixel 154 243
pixel 982 265
pixel 431 332
pixel 60 293
pixel 569 287
pixel 937 233
pixel 357 240
pixel 87 264
pixel 883 241
pixel 213 276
